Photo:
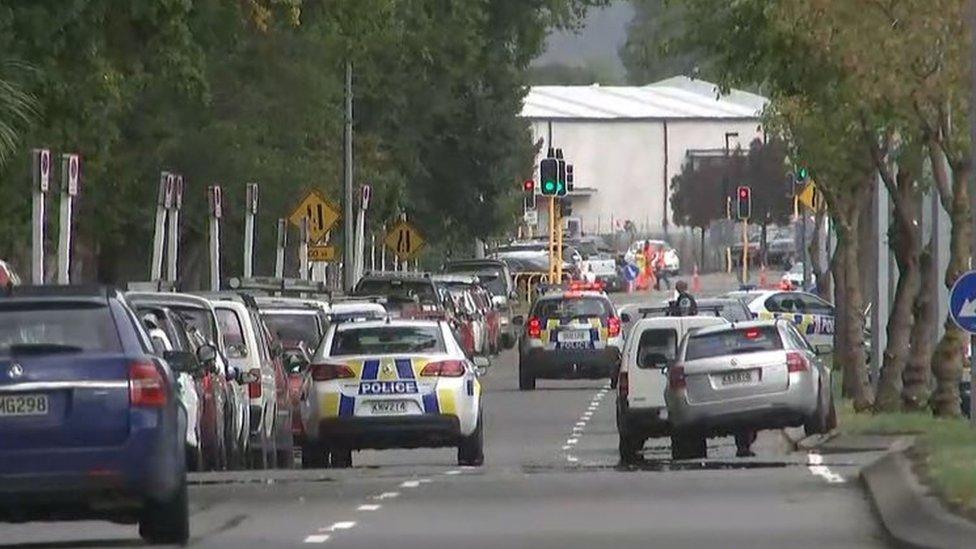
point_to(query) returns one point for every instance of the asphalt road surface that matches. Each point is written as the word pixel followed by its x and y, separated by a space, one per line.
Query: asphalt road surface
pixel 551 480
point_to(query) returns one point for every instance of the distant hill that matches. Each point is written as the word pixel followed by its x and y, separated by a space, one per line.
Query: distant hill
pixel 597 43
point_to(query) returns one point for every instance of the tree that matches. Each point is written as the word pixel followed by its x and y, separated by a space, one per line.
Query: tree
pixel 17 110
pixel 648 53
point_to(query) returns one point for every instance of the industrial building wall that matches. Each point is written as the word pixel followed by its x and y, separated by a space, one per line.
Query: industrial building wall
pixel 623 162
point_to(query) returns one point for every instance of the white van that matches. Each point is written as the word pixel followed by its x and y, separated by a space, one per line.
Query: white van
pixel 651 346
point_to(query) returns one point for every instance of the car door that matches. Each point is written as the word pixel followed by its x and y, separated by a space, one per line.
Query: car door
pixel 818 319
pixel 654 347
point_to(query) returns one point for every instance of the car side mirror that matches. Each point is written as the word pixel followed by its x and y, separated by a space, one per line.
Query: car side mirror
pixel 823 349
pixel 207 354
pixel 481 363
pixel 625 318
pixel 518 320
pixel 182 361
pixel 295 362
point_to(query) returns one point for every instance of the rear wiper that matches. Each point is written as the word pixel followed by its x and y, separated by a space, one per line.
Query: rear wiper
pixel 43 349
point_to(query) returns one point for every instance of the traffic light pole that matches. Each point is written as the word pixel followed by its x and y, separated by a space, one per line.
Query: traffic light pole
pixel 559 245
pixel 552 239
pixel 745 251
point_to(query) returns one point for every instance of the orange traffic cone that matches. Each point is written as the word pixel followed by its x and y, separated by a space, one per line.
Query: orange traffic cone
pixel 695 281
pixel 763 282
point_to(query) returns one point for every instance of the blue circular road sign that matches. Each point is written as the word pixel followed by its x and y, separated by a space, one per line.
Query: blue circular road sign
pixel 962 302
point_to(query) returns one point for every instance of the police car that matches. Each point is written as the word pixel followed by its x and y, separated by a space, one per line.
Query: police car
pixel 572 333
pixel 392 384
pixel 813 316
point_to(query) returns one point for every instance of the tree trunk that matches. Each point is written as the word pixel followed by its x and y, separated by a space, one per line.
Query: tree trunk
pixel 841 345
pixel 854 369
pixel 949 354
pixel 918 371
pixel 904 241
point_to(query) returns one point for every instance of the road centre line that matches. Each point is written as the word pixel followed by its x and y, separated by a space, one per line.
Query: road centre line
pixel 817 468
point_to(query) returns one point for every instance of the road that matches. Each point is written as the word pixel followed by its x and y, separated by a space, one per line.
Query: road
pixel 551 479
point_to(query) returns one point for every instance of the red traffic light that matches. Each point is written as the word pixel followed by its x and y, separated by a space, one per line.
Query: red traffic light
pixel 743 192
pixel 528 186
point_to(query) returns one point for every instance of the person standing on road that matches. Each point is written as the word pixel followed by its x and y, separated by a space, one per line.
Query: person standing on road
pixel 684 303
pixel 660 270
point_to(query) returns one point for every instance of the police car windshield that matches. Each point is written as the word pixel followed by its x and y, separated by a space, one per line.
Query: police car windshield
pixel 573 307
pixel 733 342
pixel 387 340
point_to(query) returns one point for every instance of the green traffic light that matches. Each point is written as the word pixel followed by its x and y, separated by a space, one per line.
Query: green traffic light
pixel 549 187
pixel 802 174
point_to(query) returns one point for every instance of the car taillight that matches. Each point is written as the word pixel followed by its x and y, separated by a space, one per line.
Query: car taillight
pixel 676 377
pixel 613 326
pixel 535 328
pixel 326 372
pixel 796 362
pixel 444 368
pixel 623 384
pixel 147 388
pixel 254 387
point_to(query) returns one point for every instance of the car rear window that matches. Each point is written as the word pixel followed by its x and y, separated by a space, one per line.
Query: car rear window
pixel 399 290
pixel 493 277
pixel 294 327
pixel 578 307
pixel 32 329
pixel 733 342
pixel 387 340
pixel 656 341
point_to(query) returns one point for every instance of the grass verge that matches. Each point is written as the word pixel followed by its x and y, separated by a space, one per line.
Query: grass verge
pixel 944 453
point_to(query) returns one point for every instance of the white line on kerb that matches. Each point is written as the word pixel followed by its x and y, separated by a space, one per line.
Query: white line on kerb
pixel 321 538
pixel 369 507
pixel 816 466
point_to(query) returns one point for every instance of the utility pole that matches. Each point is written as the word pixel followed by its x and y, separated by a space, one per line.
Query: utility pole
pixel 348 251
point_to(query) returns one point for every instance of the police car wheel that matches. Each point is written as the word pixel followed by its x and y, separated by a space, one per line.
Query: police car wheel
pixel 526 379
pixel 471 451
pixel 341 458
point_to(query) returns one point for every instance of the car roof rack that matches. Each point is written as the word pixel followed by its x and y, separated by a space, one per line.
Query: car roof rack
pixel 88 293
pixel 151 286
pixel 284 286
pixel 378 299
pixel 671 309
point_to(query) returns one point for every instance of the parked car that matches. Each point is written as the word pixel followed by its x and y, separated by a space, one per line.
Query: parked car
pixel 357 310
pixel 813 316
pixel 167 332
pixel 410 295
pixel 225 394
pixel 495 275
pixel 295 320
pixel 90 425
pixel 746 377
pixel 251 349
pixel 651 347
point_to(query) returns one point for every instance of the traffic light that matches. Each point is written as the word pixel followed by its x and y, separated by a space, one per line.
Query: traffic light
pixel 548 176
pixel 569 178
pixel 565 207
pixel 528 194
pixel 561 174
pixel 743 205
pixel 802 174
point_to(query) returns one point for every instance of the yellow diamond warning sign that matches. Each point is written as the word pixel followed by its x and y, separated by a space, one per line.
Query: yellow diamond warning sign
pixel 405 240
pixel 322 215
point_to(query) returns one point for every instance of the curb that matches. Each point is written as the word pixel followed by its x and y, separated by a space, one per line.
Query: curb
pixel 812 442
pixel 910 516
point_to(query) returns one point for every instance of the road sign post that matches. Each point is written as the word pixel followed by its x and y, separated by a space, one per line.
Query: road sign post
pixel 303 231
pixel 216 199
pixel 70 175
pixel 250 211
pixel 164 198
pixel 173 230
pixel 962 307
pixel 282 243
pixel 41 175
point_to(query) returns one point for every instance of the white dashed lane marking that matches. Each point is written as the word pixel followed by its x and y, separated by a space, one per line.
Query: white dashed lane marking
pixel 318 538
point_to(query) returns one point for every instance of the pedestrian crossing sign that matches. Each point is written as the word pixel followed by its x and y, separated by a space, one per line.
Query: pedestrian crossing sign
pixel 405 240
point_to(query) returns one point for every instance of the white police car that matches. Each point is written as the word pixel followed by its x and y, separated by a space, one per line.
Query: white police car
pixel 392 384
pixel 812 316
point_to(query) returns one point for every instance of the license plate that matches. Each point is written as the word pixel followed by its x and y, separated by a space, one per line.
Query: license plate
pixel 739 377
pixel 572 336
pixel 389 407
pixel 23 405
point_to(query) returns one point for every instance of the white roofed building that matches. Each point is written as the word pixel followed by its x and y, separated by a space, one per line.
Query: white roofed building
pixel 627 142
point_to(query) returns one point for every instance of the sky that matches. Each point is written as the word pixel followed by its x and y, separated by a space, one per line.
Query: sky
pixel 605 30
